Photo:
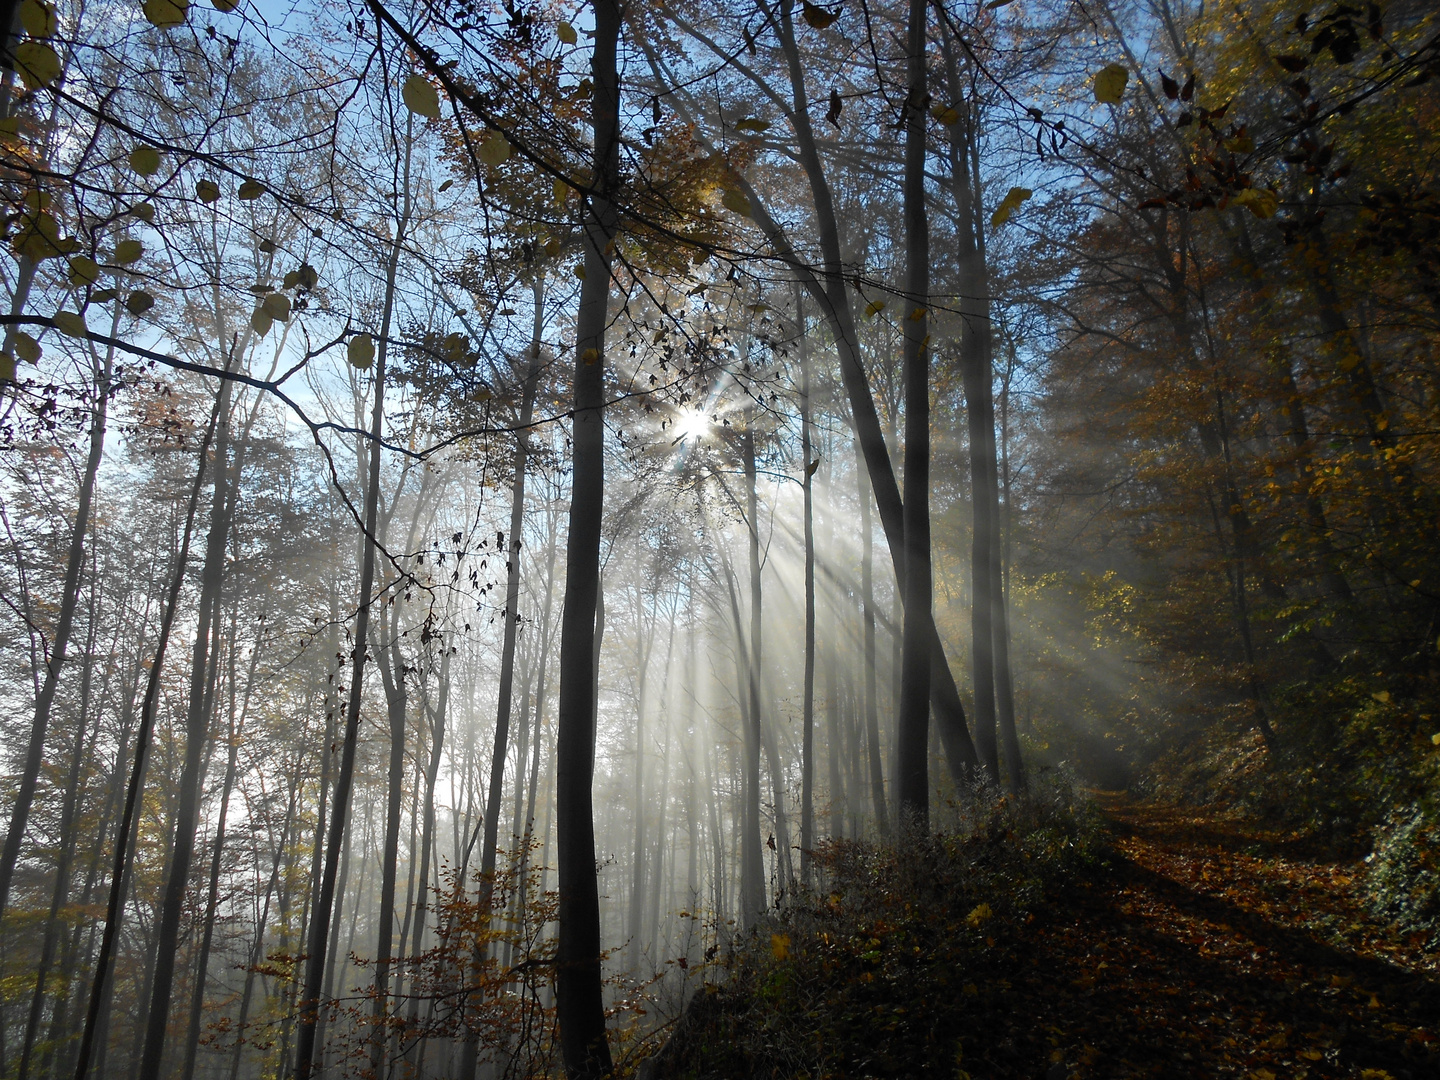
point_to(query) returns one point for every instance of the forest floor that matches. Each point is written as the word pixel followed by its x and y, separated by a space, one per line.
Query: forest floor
pixel 1206 947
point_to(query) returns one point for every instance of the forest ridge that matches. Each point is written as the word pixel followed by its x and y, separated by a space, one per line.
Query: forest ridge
pixel 604 539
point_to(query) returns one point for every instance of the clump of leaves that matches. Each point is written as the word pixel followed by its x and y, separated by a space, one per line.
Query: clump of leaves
pixel 872 971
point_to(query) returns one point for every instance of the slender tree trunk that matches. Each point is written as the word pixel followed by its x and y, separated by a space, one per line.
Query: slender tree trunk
pixel 580 1010
pixel 914 721
pixel 872 706
pixel 100 986
pixel 309 1004
pixel 197 728
pixel 507 668
pixel 69 598
pixel 807 747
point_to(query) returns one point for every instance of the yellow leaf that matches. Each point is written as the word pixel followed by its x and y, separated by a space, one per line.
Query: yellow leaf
pixel 736 202
pixel 165 13
pixel 1435 739
pixel 1383 697
pixel 37 63
pixel 1110 84
pixel 561 190
pixel 1008 205
pixel 207 191
pixel 1311 1054
pixel 751 123
pixel 947 114
pixel 26 347
pixel 420 97
pixel 144 211
pixel 874 308
pixel 566 33
pixel 145 160
pixel 7 368
pixel 780 946
pixel 250 190
pixel 225 5
pixel 139 302
pixel 980 914
pixel 1375 1074
pixel 128 251
pixel 446 186
pixel 277 306
pixel 71 324
pixel 495 150
pixel 1262 202
pixel 817 16
pixel 38 19
pixel 994 4
pixel 580 271
pixel 361 351
pixel 261 320
pixel 84 271
pixel 810 469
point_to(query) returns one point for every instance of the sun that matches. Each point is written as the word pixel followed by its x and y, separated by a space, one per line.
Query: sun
pixel 691 425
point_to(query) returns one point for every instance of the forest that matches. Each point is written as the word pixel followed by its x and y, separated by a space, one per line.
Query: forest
pixel 578 538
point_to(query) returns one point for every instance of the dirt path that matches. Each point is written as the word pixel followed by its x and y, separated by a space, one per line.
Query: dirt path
pixel 1208 950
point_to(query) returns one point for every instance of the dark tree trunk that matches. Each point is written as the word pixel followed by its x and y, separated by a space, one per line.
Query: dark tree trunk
pixel 580 1010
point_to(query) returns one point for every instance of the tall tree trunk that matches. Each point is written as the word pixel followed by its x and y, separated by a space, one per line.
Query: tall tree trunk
pixel 913 732
pixel 501 746
pixel 97 1010
pixel 580 1010
pixel 197 729
pixel 807 746
pixel 309 1004
pixel 872 705
pixel 69 598
pixel 752 860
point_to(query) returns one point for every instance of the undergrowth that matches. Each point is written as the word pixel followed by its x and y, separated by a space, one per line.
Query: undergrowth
pixel 1355 771
pixel 872 973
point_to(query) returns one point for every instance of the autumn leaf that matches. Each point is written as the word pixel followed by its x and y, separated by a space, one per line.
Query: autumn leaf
pixel 277 306
pixel 261 321
pixel 1008 205
pixel 139 302
pixel 250 190
pixel 421 97
pixel 84 271
pixel 495 150
pixel 780 946
pixel 1110 84
pixel 71 324
pixel 566 33
pixel 27 348
pixel 752 124
pixel 128 251
pixel 360 351
pixel 37 63
pixel 1262 202
pixel 874 308
pixel 946 114
pixel 38 19
pixel 736 202
pixel 817 16
pixel 979 915
pixel 165 13
pixel 207 191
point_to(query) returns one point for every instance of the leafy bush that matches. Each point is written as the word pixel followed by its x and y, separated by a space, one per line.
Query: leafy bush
pixel 869 973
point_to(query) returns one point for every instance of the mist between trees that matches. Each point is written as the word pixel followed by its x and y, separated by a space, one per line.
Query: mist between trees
pixel 491 492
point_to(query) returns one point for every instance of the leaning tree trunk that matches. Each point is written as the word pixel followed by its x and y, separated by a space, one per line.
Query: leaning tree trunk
pixel 69 598
pixel 309 1004
pixel 124 837
pixel 197 728
pixel 580 1009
